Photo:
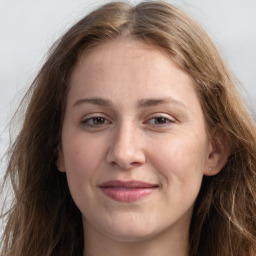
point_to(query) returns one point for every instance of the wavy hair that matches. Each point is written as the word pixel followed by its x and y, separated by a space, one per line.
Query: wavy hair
pixel 43 220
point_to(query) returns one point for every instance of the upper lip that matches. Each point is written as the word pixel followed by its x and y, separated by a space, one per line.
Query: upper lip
pixel 127 184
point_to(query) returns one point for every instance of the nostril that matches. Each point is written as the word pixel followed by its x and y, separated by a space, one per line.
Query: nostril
pixel 127 162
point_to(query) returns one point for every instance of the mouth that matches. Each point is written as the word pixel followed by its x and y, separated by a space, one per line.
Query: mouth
pixel 127 191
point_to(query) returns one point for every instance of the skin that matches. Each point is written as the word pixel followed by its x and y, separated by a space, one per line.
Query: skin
pixel 162 142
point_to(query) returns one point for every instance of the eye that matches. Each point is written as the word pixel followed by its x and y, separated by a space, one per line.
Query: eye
pixel 95 121
pixel 160 120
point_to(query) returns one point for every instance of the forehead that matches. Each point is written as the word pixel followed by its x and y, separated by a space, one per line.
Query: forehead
pixel 122 47
pixel 124 61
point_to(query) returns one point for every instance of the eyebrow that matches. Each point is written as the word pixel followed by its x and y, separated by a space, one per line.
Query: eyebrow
pixel 141 103
pixel 154 102
pixel 95 101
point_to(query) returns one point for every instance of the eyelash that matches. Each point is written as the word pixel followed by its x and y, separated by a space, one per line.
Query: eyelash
pixel 166 121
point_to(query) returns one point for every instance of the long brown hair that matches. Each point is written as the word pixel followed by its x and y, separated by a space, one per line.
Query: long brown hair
pixel 43 219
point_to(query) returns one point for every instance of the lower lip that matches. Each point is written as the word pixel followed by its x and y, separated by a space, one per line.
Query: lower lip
pixel 127 194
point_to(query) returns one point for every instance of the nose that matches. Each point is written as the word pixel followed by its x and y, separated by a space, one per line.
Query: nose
pixel 126 148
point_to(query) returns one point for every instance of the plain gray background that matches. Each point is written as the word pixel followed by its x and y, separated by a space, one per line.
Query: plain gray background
pixel 29 27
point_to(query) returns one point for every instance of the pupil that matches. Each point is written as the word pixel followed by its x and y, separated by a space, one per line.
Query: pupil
pixel 160 120
pixel 98 120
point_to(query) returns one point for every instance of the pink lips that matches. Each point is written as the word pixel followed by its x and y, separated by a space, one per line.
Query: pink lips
pixel 127 191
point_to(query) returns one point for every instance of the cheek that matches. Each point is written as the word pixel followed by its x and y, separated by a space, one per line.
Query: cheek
pixel 81 161
pixel 180 158
pixel 180 162
pixel 82 154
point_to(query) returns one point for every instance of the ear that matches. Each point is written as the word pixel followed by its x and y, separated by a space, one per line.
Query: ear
pixel 60 163
pixel 219 150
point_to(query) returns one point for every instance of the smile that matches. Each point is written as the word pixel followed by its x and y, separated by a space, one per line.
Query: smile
pixel 127 191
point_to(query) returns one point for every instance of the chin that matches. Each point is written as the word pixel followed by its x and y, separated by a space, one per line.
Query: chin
pixel 131 236
pixel 132 230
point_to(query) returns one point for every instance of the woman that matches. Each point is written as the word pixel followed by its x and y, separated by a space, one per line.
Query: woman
pixel 135 141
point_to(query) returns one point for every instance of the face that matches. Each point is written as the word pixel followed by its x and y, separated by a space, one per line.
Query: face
pixel 134 142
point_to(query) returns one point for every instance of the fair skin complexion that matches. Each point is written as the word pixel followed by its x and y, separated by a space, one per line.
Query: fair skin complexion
pixel 132 115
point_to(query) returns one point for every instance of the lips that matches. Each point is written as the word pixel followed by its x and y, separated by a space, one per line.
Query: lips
pixel 127 191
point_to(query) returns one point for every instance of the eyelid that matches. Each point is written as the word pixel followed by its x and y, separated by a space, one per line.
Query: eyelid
pixel 98 114
pixel 167 116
